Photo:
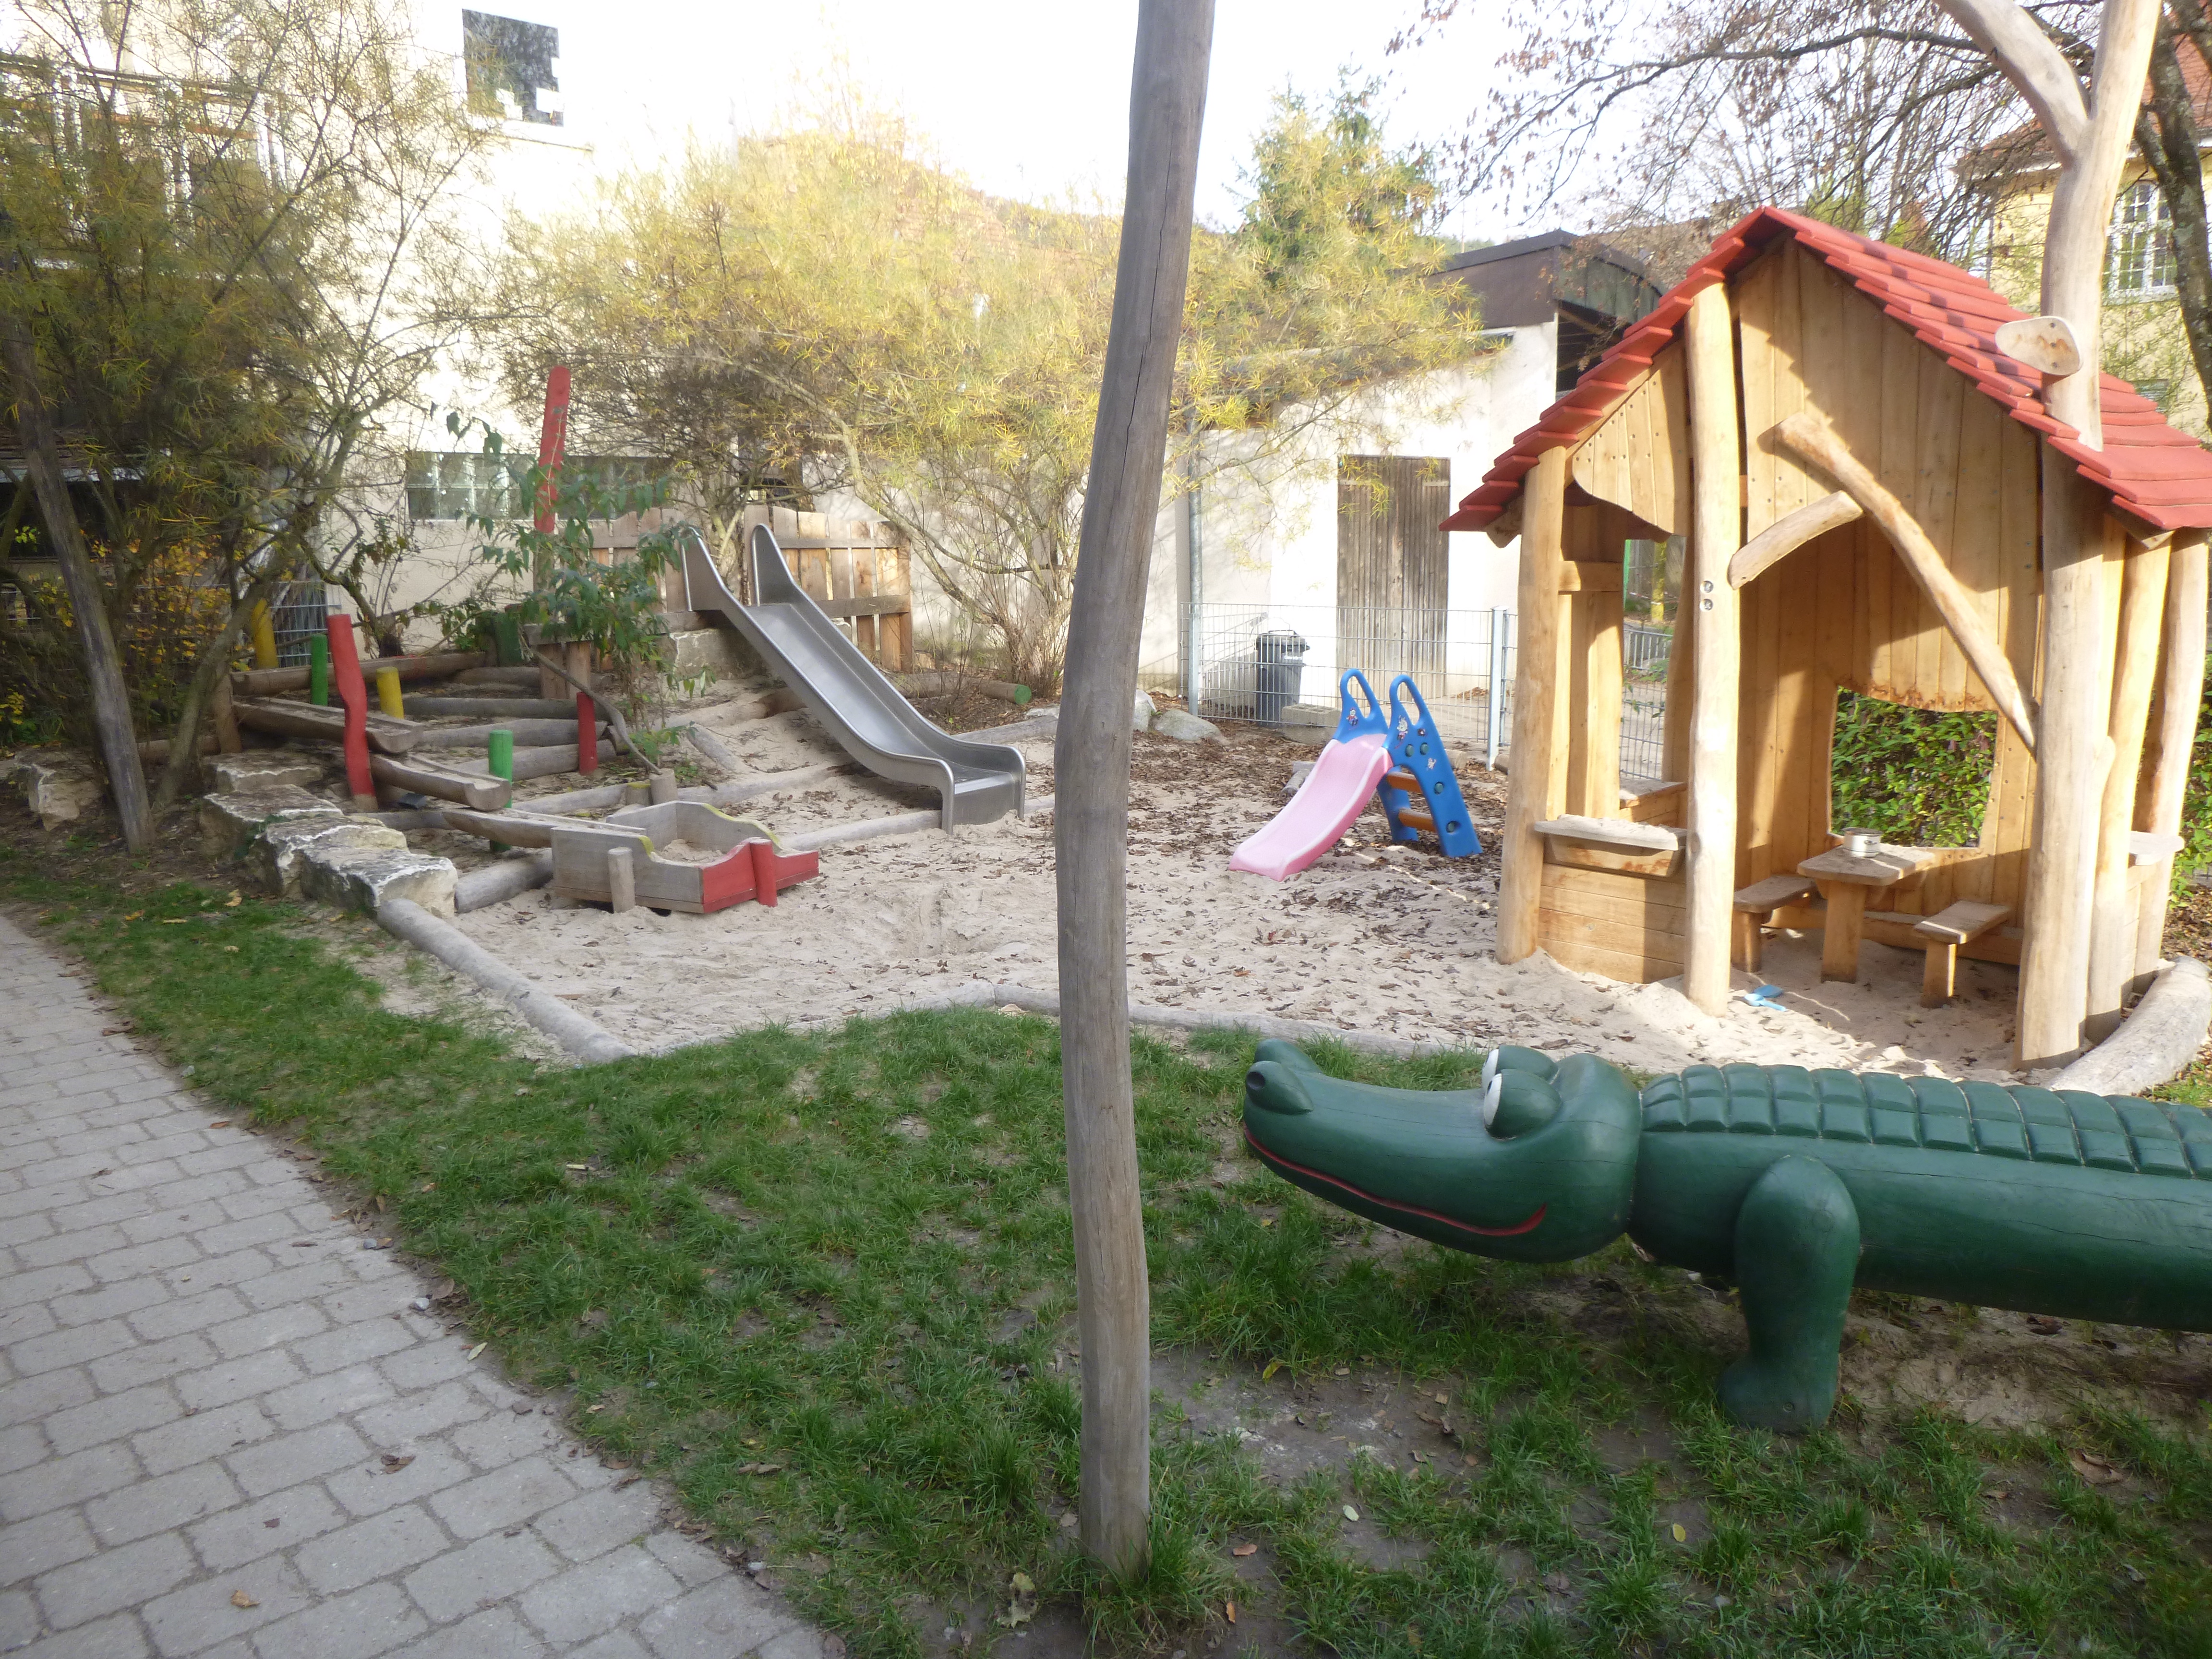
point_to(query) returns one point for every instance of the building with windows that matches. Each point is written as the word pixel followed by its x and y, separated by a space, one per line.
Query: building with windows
pixel 2145 344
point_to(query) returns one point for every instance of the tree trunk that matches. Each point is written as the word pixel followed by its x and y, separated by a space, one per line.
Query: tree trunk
pixel 1167 101
pixel 2082 208
pixel 103 663
pixel 2166 132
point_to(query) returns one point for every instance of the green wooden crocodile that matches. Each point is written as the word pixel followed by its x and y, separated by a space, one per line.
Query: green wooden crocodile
pixel 1794 1185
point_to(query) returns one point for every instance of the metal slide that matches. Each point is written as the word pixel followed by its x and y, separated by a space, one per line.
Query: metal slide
pixel 978 782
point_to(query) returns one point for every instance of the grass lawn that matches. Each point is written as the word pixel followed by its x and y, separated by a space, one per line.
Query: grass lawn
pixel 822 1284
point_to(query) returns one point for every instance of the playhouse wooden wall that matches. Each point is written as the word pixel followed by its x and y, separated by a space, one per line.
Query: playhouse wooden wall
pixel 1842 612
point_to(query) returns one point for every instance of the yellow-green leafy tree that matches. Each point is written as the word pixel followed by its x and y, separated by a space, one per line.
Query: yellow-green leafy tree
pixel 229 230
pixel 830 309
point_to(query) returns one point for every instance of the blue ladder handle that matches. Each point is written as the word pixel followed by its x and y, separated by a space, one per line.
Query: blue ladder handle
pixel 1416 748
pixel 1350 721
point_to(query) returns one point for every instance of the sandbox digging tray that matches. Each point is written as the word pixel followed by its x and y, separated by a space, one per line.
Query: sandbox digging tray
pixel 713 860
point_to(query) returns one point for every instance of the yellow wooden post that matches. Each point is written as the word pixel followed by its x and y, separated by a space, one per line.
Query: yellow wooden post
pixel 387 693
pixel 264 637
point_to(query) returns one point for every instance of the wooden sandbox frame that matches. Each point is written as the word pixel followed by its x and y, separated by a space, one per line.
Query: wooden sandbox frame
pixel 1860 474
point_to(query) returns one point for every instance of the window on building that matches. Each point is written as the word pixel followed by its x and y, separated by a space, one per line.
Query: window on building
pixel 513 67
pixel 2141 258
pixel 465 485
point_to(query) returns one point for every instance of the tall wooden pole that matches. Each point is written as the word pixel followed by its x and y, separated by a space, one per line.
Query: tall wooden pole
pixel 2180 689
pixel 2135 674
pixel 103 663
pixel 2073 753
pixel 2089 140
pixel 1536 711
pixel 1711 611
pixel 1091 756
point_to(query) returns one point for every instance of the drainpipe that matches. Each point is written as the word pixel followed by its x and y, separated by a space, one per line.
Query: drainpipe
pixel 1195 575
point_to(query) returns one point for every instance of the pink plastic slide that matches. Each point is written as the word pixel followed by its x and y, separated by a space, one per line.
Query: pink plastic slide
pixel 1334 792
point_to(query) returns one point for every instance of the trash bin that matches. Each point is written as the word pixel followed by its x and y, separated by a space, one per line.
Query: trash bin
pixel 1279 660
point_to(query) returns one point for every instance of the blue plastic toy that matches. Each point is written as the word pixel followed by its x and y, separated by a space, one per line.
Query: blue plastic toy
pixel 1351 723
pixel 1418 754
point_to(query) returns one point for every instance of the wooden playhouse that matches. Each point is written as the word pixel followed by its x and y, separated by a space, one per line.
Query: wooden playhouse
pixel 1860 468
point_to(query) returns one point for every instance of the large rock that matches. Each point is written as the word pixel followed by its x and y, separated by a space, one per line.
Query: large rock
pixel 1186 728
pixel 277 858
pixel 695 651
pixel 229 821
pixel 1144 713
pixel 58 785
pixel 362 878
pixel 259 770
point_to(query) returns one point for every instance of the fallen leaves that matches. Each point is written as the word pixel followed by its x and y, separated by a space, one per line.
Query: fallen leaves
pixel 1021 1607
pixel 241 1599
pixel 1243 1550
pixel 1350 1513
pixel 752 1468
pixel 1680 1533
pixel 395 1462
pixel 2044 1326
pixel 2095 1469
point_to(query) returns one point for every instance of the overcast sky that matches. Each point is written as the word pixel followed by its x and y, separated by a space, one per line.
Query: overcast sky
pixel 1026 100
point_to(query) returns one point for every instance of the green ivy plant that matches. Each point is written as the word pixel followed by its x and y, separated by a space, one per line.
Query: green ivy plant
pixel 615 607
pixel 1918 776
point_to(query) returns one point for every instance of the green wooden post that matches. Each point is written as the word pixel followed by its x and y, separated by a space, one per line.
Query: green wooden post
pixel 502 744
pixel 319 671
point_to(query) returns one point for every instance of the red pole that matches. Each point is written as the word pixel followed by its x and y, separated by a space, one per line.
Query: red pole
pixel 353 693
pixel 552 441
pixel 552 444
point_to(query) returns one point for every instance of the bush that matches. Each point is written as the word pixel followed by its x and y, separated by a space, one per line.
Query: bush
pixel 1918 776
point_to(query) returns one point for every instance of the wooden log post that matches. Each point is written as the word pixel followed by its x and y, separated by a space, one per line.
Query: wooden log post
pixel 2135 673
pixel 1710 611
pixel 2166 781
pixel 1167 101
pixel 2072 752
pixel 1536 711
pixel 224 714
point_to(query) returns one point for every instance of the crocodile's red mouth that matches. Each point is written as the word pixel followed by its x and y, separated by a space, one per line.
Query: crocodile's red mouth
pixel 1280 1163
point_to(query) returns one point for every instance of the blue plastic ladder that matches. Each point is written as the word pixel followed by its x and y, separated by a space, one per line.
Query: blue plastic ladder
pixel 1416 748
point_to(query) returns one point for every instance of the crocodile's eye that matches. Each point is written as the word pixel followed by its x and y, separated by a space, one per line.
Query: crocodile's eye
pixel 1516 1103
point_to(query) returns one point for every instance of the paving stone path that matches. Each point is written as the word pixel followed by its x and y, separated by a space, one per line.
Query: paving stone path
pixel 225 1429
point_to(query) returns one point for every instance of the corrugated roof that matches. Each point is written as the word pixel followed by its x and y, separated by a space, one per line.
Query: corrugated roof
pixel 2162 476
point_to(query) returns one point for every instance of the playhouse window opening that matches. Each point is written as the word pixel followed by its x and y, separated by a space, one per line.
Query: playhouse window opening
pixel 1918 777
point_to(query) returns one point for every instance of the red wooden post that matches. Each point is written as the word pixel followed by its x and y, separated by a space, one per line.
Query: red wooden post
pixel 587 734
pixel 552 441
pixel 353 693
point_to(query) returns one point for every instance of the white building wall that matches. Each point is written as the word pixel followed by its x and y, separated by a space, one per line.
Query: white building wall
pixel 1269 537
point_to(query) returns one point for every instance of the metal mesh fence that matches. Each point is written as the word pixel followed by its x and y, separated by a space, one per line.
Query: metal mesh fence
pixel 298 615
pixel 1280 664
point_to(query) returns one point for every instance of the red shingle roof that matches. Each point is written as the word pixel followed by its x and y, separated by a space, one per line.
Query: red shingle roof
pixel 2161 476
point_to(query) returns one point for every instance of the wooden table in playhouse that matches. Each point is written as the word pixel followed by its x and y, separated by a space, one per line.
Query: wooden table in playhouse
pixel 1846 879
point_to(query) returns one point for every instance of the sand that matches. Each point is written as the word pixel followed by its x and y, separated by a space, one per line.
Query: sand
pixel 1374 938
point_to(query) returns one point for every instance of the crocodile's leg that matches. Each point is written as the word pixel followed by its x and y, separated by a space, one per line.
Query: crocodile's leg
pixel 1797 1248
